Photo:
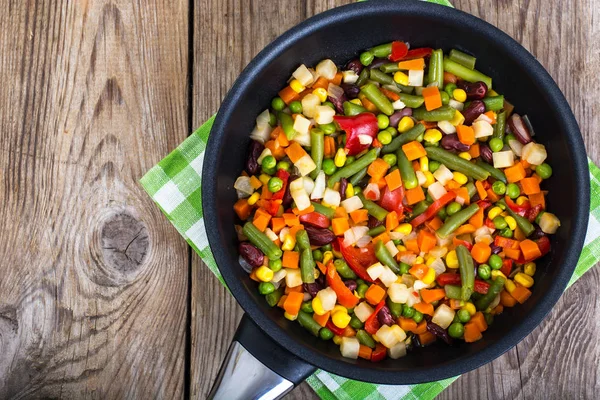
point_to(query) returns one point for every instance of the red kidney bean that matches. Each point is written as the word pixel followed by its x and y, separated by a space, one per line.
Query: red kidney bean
pixel 496 249
pixel 486 153
pixel 537 234
pixel 351 284
pixel 251 254
pixel 252 166
pixel 319 236
pixel 475 90
pixel 398 115
pixel 474 110
pixel 451 142
pixel 384 316
pixel 373 222
pixel 533 212
pixel 355 65
pixel 378 62
pixel 312 288
pixel 439 332
pixel 343 187
pixel 519 129
pixel 351 91
pixel 287 199
pixel 338 103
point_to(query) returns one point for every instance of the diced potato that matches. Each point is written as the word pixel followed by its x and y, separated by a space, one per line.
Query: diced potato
pixel 310 102
pixel 443 316
pixel 436 190
pixel 293 277
pixel 397 351
pixel 350 347
pixel 327 297
pixel 549 223
pixel 331 197
pixel 305 165
pixel 363 311
pixel 388 277
pixel 319 189
pixel 534 153
pixel 443 175
pixel 303 75
pixel 327 69
pixel 482 129
pixel 352 204
pixel 398 293
pixel 415 77
pixel 375 270
pixel 324 115
pixel 386 336
pixel 301 124
pixel 503 159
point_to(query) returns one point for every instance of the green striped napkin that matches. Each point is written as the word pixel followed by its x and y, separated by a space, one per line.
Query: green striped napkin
pixel 175 185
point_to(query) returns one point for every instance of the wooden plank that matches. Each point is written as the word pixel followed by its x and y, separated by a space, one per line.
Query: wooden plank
pixel 94 278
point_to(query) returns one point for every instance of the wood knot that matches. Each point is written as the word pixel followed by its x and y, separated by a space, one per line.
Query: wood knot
pixel 124 243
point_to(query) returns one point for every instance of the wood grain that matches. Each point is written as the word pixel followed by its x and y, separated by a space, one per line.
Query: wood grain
pixel 93 278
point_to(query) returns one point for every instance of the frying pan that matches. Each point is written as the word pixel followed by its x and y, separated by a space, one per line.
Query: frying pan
pixel 269 354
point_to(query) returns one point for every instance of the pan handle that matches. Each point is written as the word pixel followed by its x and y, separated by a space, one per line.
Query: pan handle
pixel 256 367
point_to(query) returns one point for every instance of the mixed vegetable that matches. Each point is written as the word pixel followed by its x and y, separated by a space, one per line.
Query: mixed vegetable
pixel 393 202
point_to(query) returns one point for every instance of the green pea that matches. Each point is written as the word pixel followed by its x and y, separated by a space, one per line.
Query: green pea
pixel 325 334
pixel 544 171
pixel 360 282
pixel 366 58
pixel 349 160
pixel 266 288
pixel 393 131
pixel 275 265
pixel 269 162
pixel 513 191
pixel 275 184
pixel 278 104
pixel 420 138
pixel 383 121
pixel 295 107
pixel 433 166
pixel 456 330
pixel 453 208
pixel 489 318
pixel 442 213
pixel 500 222
pixel 362 289
pixel 495 261
pixel 327 247
pixel 404 268
pixel 445 98
pixel 508 138
pixel 496 144
pixel 384 137
pixel 408 312
pixel 418 317
pixel 357 190
pixel 463 316
pixel 390 159
pixel 449 88
pixel 355 322
pixel 328 129
pixel 484 271
pixel 329 104
pixel 317 255
pixel 329 166
pixel 307 307
pixel 506 232
pixel 284 165
pixel 499 188
pixel 272 120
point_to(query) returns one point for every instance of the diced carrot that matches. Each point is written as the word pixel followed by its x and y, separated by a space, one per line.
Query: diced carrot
pixel 291 219
pixel 322 319
pixel 277 224
pixel 407 324
pixel 512 253
pixel 393 179
pixel 474 150
pixel 507 243
pixel 432 97
pixel 416 165
pixel 414 196
pixel 384 237
pixel 295 152
pixel 378 168
pixel 329 147
pixel 426 338
pixel 537 198
pixel 530 249
pixel 515 173
pixel 414 150
pixel 507 300
pixel 426 240
pixel 424 308
pixel 367 104
pixel 411 245
pixel 493 197
pixel 288 95
pixel 480 190
pixel 412 65
pixel 290 259
pixel 360 215
pixel 349 332
pixel 340 225
pixel 421 328
pixel 242 209
pixel 463 193
pixel 337 79
pixel 374 294
pixel 524 163
pixel 472 332
pixel 391 221
pixel 253 275
pixel 255 182
pixel 393 96
pixel 456 304
pixel 293 302
pixel 477 219
pixel 498 309
pixel 530 186
pixel 452 184
pixel 340 212
pixel 431 295
pixel 479 321
pixel 276 150
pixel 491 115
pixel 365 352
pixel 481 252
pixel 418 270
pixel 261 219
pixel 520 293
pixel 295 229
pixel 466 228
pixel 265 194
pixel 297 289
pixel 466 134
pixel 307 210
pixel 428 124
pixel 434 224
pixel 321 83
pixel 449 78
pixel 282 301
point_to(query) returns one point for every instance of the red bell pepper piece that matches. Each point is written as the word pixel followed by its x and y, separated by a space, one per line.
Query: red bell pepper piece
pixel 334 329
pixel 449 278
pixel 521 210
pixel 506 242
pixel 468 245
pixel 484 204
pixel 344 296
pixel 272 206
pixel 544 245
pixel 481 286
pixel 489 223
pixel 284 176
pixel 359 259
pixel 418 53
pixel 392 200
pixel 506 267
pixel 315 219
pixel 379 353
pixel 361 124
pixel 372 324
pixel 399 50
pixel 533 212
pixel 433 209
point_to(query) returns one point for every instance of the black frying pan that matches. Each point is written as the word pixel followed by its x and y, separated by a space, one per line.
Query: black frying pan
pixel 340 34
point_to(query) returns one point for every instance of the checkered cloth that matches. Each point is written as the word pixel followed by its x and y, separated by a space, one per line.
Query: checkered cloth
pixel 175 185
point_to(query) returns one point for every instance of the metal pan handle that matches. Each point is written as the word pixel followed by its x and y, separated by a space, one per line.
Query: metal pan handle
pixel 255 367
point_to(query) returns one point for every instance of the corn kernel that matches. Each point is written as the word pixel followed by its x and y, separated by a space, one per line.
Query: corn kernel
pixel 432 136
pixel 340 158
pixel 429 276
pixel 297 86
pixel 452 259
pixel 340 308
pixel 265 274
pixel 465 155
pixel 470 308
pixel 356 101
pixel 401 248
pixel 401 78
pixel 264 178
pixel 405 124
pixel 529 268
pixel 494 212
pixel 460 178
pixel 318 306
pixel 430 179
pixel 340 319
pixel 509 286
pixel 404 229
pixel 288 243
pixel 521 200
pixel 458 118
pixel 337 340
pixel 253 199
pixel 459 95
pixel 327 256
pixel 429 260
pixel 349 190
pixel 317 273
pixel 496 273
pixel 512 223
pixel 424 164
pixel 419 260
pixel 321 94
pixel 524 279
pixel 290 316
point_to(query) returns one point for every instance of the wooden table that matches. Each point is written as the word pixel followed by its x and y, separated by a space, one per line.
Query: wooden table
pixel 99 295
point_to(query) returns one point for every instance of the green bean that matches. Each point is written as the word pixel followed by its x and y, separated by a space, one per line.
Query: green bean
pixel 382 51
pixel 407 172
pixel 287 124
pixel 493 103
pixel 372 92
pixel 494 172
pixel 453 292
pixel 445 98
pixel 362 77
pixel 321 209
pixel 454 221
pixel 317 145
pixel 365 339
pixel 374 210
pixel 494 290
pixel 522 222
pixel 456 163
pixel 348 170
pixel 351 109
pixel 465 73
pixel 462 58
pixel 384 256
pixel 411 100
pixel 443 113
pixel 307 266
pixel 273 298
pixel 420 208
pixel 500 125
pixel 467 271
pixel 343 269
pixel 357 177
pixel 395 308
pixel 471 189
pixel 376 231
pixel 402 139
pixel 307 322
pixel 381 77
pixel 303 240
pixel 436 68
pixel 388 68
pixel 261 241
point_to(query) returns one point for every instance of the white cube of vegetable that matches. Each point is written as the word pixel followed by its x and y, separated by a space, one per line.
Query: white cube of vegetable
pixel 279 275
pixel 242 185
pixel 436 190
pixel 386 336
pixel 388 277
pixel 503 159
pixel 310 102
pixel 261 131
pixel 324 115
pixel 446 127
pixel 350 347
pixel 352 204
pixel 534 153
pixel 398 105
pixel 328 298
pixel 350 76
pixel 391 248
pixel 413 298
pixel 271 235
pixel 283 232
pixel 327 69
pixel 443 316
pixel 418 285
pixel 365 139
pixel 516 147
pixel 457 105
pixel 292 277
pixel 482 129
pixel 375 270
pixel 331 197
pixel 443 175
pixel 363 311
pixel 301 199
pixel 303 75
pixel 397 351
pixel 421 178
pixel 415 77
pixel 308 184
pixel 301 124
pixel 266 152
pixel 305 165
pixel 399 332
pixel 349 238
pixel 297 184
pixel 438 265
pixel 549 223
pixel 319 188
pixel 398 292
